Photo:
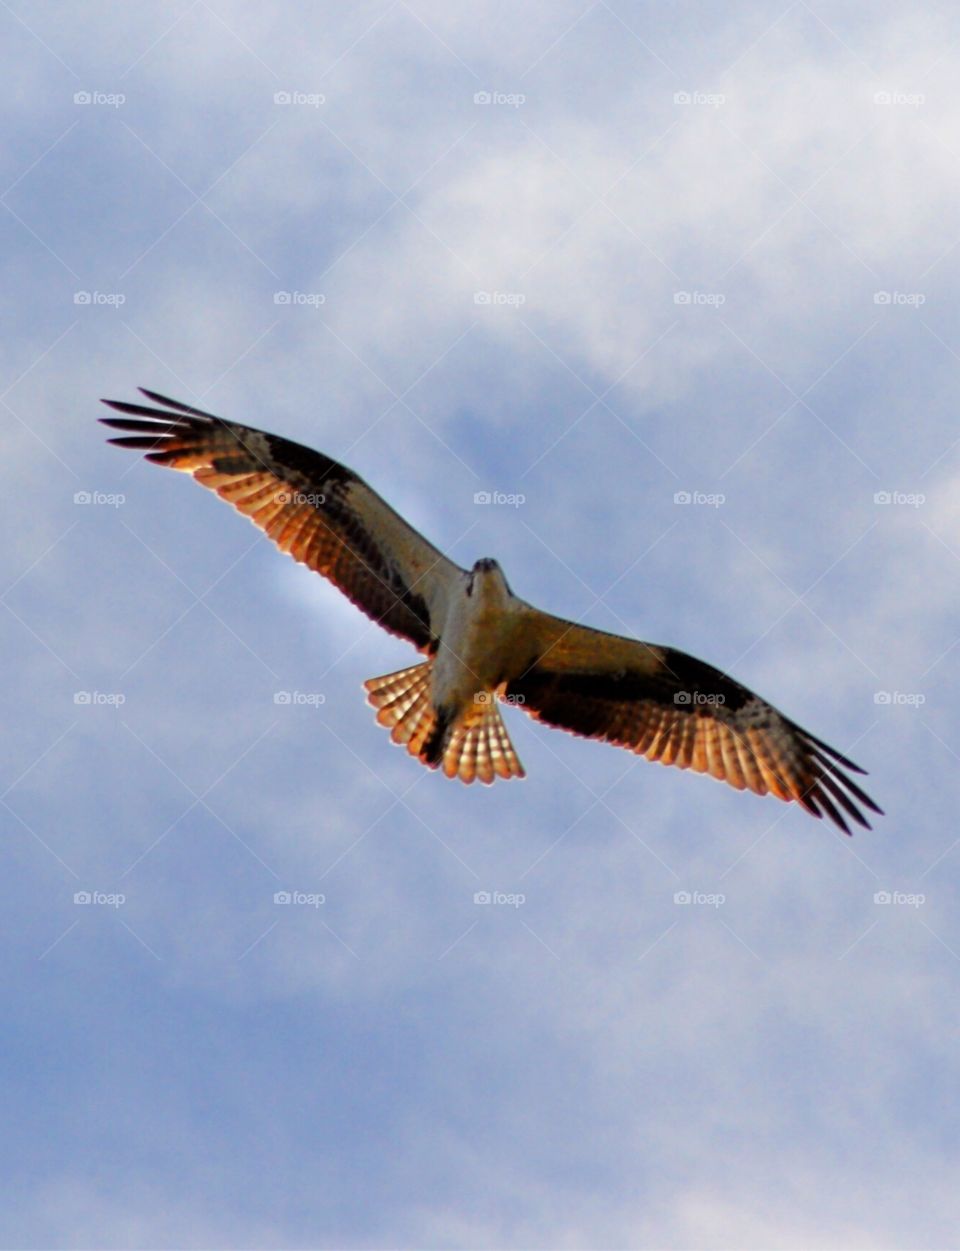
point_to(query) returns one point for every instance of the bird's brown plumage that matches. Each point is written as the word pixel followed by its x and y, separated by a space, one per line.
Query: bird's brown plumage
pixel 668 706
pixel 652 700
pixel 316 509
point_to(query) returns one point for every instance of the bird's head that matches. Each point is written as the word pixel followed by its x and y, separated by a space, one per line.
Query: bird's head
pixel 487 577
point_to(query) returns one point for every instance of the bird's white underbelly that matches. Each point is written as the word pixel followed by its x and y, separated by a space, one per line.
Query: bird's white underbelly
pixel 472 649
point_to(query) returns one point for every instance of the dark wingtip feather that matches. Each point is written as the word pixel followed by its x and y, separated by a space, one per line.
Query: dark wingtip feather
pixel 841 796
pixel 830 808
pixel 171 420
pixel 805 800
pixel 858 792
pixel 864 798
pixel 122 406
pixel 831 751
pixel 138 441
pixel 136 423
pixel 177 404
pixel 827 763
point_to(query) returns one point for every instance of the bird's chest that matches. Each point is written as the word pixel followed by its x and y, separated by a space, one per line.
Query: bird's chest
pixel 475 640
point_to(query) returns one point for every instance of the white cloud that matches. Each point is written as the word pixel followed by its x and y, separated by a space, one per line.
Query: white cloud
pixel 599 1066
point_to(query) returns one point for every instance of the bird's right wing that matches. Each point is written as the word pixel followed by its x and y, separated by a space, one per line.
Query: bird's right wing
pixel 319 511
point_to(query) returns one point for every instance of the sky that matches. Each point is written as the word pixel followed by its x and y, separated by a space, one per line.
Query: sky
pixel 656 304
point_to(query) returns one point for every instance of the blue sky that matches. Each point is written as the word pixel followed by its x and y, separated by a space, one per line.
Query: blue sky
pixel 594 257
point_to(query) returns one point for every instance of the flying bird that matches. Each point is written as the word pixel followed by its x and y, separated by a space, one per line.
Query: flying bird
pixel 483 645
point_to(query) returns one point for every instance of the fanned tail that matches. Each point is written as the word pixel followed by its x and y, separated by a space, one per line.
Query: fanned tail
pixel 475 745
pixel 479 745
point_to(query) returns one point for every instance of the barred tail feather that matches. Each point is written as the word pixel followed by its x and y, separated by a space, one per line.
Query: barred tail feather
pixel 479 746
pixel 476 745
pixel 402 701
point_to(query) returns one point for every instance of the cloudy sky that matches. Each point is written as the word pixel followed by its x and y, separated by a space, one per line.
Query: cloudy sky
pixel 677 285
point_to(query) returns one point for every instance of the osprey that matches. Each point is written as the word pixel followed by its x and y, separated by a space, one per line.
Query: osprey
pixel 483 644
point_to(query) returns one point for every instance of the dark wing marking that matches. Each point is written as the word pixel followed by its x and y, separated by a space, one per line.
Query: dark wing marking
pixel 319 511
pixel 671 707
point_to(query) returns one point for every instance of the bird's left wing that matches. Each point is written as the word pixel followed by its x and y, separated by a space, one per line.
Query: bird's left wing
pixel 671 707
pixel 319 511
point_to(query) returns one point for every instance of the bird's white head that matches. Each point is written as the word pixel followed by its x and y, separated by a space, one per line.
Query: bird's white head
pixel 486 578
